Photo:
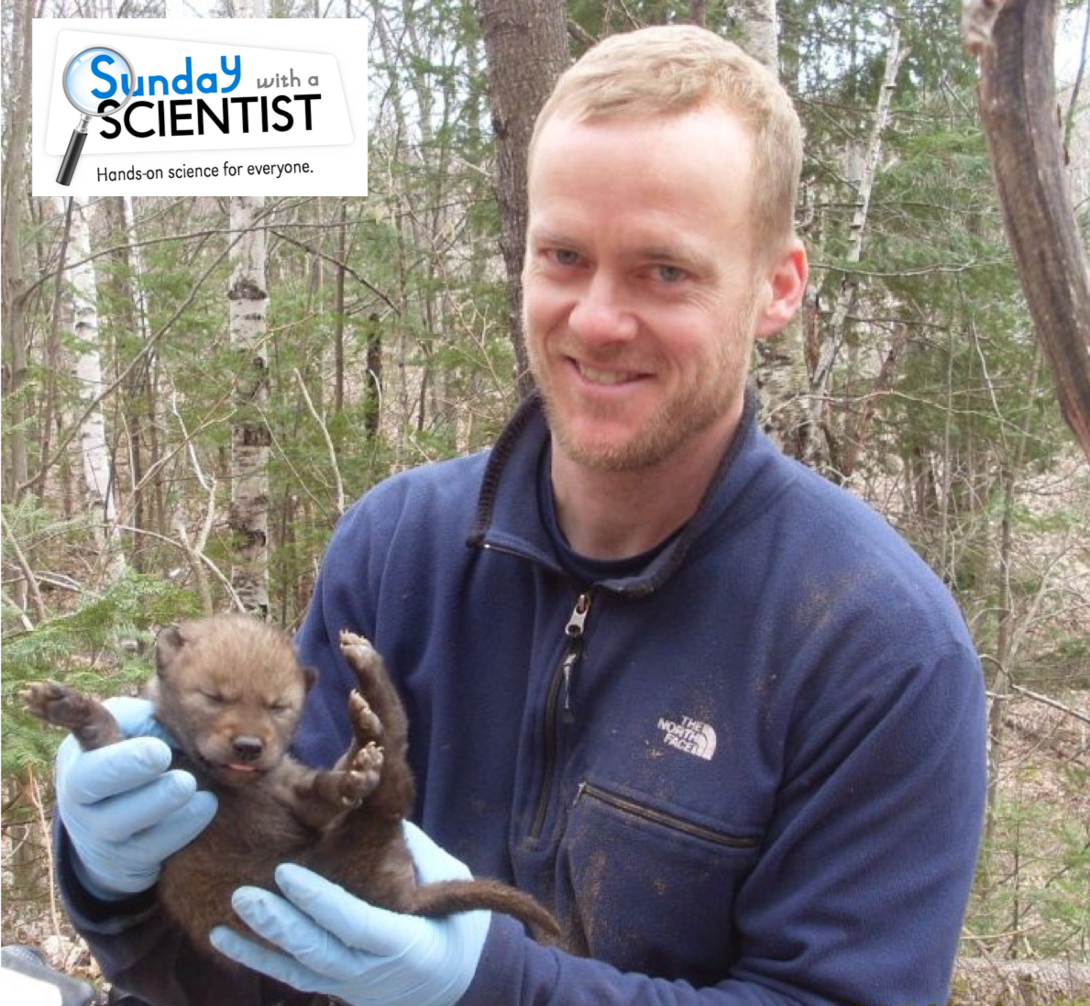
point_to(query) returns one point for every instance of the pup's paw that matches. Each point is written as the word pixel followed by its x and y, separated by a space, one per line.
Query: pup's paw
pixel 363 776
pixel 60 705
pixel 358 651
pixel 365 723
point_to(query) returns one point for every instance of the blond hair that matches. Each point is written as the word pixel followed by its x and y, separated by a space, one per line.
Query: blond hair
pixel 682 68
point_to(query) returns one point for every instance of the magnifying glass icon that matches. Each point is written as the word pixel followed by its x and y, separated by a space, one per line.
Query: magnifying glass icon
pixel 92 76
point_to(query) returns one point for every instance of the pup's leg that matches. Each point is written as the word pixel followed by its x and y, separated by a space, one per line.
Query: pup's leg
pixel 365 850
pixel 320 798
pixel 88 719
pixel 378 715
pixel 376 688
pixel 367 731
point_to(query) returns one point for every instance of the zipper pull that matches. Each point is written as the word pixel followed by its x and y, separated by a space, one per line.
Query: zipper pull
pixel 574 631
pixel 578 619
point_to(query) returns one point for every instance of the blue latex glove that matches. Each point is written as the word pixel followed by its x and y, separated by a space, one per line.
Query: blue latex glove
pixel 124 810
pixel 338 945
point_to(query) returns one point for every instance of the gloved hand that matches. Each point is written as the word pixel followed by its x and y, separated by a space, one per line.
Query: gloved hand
pixel 124 810
pixel 338 945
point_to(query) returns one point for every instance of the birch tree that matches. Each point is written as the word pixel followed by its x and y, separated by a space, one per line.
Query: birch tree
pixel 144 433
pixel 249 433
pixel 864 185
pixel 757 22
pixel 248 519
pixel 250 438
pixel 98 471
pixel 779 364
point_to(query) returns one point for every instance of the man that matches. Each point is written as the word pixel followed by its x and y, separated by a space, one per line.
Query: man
pixel 707 707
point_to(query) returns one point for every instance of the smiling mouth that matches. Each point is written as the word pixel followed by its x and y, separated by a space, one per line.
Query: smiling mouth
pixel 596 375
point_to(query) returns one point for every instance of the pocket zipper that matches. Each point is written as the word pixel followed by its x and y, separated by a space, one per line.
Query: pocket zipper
pixel 659 817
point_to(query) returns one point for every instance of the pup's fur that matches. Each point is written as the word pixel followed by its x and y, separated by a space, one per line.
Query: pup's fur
pixel 230 690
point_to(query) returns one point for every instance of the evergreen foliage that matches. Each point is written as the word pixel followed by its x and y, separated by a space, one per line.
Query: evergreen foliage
pixel 103 645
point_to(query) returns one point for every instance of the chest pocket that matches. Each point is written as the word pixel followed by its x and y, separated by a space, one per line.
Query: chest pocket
pixel 648 888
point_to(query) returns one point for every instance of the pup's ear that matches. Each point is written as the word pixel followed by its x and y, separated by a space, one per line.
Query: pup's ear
pixel 310 676
pixel 167 644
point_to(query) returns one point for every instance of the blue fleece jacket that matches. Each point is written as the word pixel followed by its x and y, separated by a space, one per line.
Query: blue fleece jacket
pixel 748 768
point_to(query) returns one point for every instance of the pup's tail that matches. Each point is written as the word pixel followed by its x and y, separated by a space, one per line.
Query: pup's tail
pixel 450 896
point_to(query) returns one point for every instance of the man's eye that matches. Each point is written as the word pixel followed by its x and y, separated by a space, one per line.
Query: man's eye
pixel 565 256
pixel 214 697
pixel 669 273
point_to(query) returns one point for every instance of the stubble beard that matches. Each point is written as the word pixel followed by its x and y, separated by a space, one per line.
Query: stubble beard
pixel 689 412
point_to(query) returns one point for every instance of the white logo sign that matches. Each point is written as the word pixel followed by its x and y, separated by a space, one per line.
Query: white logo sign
pixel 192 106
pixel 202 96
pixel 689 735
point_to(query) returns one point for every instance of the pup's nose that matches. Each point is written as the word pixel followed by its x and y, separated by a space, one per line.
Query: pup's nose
pixel 248 748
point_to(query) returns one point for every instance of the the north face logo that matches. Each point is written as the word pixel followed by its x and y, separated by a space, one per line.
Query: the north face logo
pixel 689 735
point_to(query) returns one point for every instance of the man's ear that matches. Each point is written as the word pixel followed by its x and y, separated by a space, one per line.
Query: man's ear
pixel 785 286
pixel 167 645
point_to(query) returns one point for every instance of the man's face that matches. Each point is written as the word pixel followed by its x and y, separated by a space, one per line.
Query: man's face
pixel 641 283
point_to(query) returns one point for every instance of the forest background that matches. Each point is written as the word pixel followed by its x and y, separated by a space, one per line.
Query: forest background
pixel 195 389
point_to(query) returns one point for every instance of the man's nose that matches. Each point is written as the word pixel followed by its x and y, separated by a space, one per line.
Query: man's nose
pixel 603 313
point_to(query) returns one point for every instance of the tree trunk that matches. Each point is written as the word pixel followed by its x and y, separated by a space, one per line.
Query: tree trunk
pixel 98 471
pixel 821 381
pixel 12 312
pixel 145 383
pixel 249 433
pixel 59 320
pixel 338 306
pixel 779 364
pixel 1016 43
pixel 527 49
pixel 757 21
pixel 372 392
pixel 14 186
pixel 130 320
pixel 250 439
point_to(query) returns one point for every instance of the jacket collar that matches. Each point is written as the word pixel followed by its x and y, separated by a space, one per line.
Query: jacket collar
pixel 508 518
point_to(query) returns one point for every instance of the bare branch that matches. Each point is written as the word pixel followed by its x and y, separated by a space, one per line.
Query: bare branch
pixel 1038 697
pixel 328 441
pixel 31 580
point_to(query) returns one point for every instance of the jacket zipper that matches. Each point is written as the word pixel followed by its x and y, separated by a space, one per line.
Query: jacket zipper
pixel 659 817
pixel 560 696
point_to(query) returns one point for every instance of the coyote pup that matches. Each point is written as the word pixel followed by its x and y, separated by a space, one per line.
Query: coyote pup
pixel 230 691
